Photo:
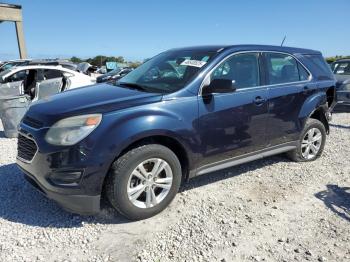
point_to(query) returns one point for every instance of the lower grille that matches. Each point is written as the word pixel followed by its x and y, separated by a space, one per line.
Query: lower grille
pixel 27 148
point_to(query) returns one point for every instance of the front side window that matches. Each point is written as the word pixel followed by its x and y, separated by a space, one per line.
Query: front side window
pixel 18 76
pixel 243 69
pixel 3 74
pixel 283 68
pixel 167 72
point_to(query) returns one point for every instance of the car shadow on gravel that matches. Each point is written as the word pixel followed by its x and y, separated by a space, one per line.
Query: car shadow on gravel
pixel 339 126
pixel 2 134
pixel 337 199
pixel 341 109
pixel 232 172
pixel 21 203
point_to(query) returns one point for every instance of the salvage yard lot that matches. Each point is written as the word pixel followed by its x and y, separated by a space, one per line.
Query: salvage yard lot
pixel 271 209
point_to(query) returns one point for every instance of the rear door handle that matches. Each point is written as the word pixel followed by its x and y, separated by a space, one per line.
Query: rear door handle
pixel 306 89
pixel 259 100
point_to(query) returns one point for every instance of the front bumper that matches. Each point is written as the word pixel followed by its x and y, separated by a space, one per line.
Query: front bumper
pixel 79 204
pixel 71 176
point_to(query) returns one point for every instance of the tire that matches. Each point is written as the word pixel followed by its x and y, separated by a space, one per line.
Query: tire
pixel 127 174
pixel 299 154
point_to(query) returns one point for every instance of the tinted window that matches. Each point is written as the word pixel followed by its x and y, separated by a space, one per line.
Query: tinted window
pixel 324 71
pixel 50 74
pixel 242 68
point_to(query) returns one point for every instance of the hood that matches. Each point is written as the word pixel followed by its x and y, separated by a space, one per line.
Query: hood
pixel 100 98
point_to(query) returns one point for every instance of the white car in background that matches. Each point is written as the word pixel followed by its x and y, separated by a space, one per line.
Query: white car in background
pixel 40 81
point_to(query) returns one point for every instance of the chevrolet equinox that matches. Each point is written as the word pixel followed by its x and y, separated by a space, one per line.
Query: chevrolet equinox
pixel 183 113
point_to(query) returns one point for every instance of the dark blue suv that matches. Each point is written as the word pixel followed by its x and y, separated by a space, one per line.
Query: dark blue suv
pixel 184 113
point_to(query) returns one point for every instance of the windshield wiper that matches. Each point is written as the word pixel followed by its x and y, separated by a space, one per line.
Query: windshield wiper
pixel 132 85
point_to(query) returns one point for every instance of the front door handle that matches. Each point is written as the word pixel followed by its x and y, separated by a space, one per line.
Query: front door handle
pixel 259 100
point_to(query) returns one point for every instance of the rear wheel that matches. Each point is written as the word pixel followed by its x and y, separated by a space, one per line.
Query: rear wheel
pixel 311 143
pixel 144 181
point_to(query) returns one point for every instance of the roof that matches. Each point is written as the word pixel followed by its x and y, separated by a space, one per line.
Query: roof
pixel 41 67
pixel 218 48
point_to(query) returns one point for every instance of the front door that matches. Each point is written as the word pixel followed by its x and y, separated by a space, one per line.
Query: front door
pixel 13 84
pixel 234 124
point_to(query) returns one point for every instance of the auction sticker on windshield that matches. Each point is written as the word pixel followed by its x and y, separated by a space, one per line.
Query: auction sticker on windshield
pixel 195 63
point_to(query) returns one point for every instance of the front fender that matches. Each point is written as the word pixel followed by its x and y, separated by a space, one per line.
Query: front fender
pixel 120 129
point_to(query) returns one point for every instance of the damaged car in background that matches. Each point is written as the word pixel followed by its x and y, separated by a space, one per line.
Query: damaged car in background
pixel 341 70
pixel 114 75
pixel 19 86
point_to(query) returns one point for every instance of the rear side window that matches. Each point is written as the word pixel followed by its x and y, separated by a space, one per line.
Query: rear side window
pixel 51 74
pixel 283 68
pixel 241 68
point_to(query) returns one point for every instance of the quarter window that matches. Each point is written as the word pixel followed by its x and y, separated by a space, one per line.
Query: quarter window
pixel 303 74
pixel 284 68
pixel 241 68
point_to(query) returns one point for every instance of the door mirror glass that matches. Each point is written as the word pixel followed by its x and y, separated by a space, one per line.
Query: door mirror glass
pixel 220 86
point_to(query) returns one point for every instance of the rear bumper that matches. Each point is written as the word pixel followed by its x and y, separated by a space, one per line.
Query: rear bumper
pixel 79 204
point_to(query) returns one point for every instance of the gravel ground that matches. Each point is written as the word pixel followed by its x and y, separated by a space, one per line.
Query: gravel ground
pixel 267 210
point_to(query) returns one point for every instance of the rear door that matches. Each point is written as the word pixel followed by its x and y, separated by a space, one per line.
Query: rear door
pixel 233 124
pixel 289 85
pixel 51 83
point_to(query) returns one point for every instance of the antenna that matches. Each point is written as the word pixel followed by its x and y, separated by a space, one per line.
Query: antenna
pixel 283 40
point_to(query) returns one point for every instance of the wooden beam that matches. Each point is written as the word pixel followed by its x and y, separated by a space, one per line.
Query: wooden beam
pixel 10 14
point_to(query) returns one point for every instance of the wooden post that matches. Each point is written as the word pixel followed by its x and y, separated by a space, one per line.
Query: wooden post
pixel 20 40
pixel 13 13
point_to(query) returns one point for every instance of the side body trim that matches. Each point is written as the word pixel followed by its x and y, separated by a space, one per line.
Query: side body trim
pixel 246 158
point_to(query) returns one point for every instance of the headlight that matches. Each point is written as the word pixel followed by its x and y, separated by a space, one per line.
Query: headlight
pixel 70 131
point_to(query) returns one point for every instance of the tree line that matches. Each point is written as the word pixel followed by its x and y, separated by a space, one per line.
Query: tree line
pixel 101 60
pixel 334 58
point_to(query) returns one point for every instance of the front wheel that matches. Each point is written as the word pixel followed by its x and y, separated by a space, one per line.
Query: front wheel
pixel 144 181
pixel 311 143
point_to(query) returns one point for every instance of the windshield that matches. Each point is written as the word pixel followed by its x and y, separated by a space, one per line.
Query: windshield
pixel 341 68
pixel 167 72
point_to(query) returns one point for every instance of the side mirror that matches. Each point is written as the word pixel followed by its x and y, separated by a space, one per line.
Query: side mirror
pixel 219 86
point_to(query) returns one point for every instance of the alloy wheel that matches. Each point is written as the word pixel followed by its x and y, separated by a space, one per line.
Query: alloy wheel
pixel 311 143
pixel 149 183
